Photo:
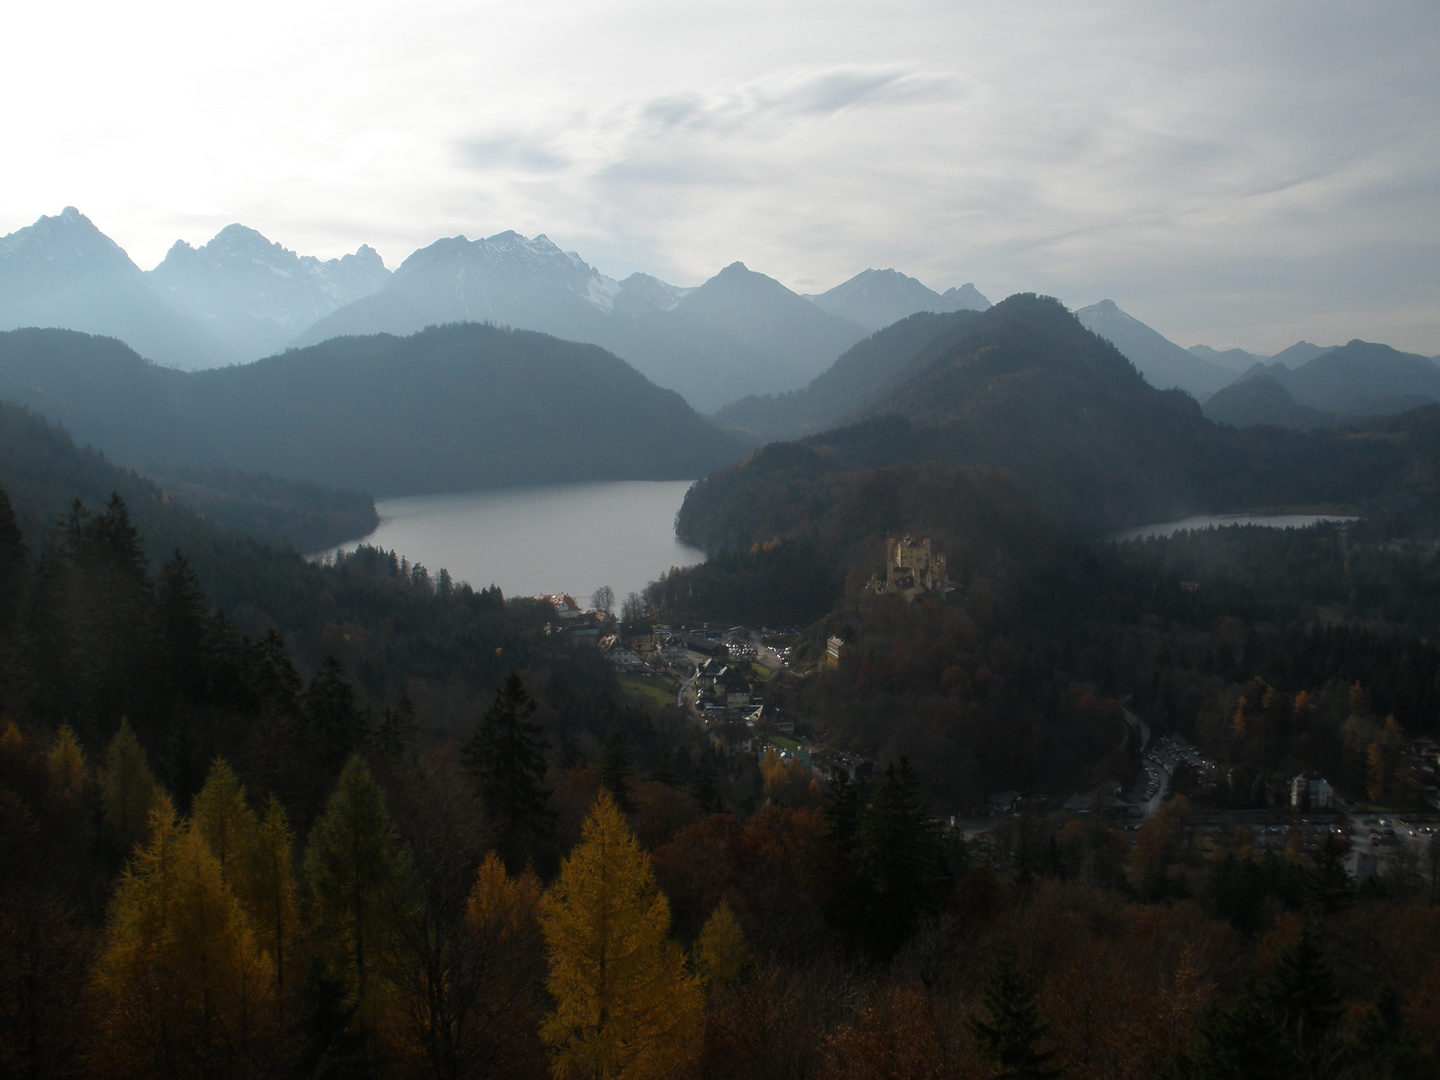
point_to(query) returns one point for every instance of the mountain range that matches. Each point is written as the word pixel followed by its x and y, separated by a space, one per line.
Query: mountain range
pixel 877 298
pixel 448 409
pixel 241 297
pixel 1360 378
pixel 234 299
pixel 738 333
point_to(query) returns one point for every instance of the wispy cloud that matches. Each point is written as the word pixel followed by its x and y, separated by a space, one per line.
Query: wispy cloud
pixel 791 95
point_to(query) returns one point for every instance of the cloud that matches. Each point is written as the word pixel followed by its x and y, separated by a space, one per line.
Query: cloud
pixel 516 152
pixel 794 95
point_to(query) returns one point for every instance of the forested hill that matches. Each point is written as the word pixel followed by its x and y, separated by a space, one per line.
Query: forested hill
pixel 1025 388
pixel 450 408
pixel 856 381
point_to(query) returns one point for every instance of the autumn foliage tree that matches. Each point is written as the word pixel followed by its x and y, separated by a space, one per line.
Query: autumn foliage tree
pixel 626 1008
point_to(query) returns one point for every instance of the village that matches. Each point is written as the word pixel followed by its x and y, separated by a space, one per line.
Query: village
pixel 717 675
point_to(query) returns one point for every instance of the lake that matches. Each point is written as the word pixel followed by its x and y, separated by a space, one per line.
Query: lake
pixel 1209 521
pixel 556 538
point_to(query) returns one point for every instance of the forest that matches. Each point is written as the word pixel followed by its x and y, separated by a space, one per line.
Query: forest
pixel 265 817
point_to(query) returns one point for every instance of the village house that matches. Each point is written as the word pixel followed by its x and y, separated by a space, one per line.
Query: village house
pixel 1311 793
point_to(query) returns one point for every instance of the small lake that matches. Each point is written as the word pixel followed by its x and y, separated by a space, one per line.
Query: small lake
pixel 557 538
pixel 1212 521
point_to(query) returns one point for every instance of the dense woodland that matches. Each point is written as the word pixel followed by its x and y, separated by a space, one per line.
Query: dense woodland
pixel 261 817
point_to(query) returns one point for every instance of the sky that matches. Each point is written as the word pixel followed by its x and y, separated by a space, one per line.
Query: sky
pixel 1229 173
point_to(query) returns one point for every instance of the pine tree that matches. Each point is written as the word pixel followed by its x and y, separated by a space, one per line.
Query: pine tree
pixel 359 877
pixel 1012 1034
pixel 506 756
pixel 625 1007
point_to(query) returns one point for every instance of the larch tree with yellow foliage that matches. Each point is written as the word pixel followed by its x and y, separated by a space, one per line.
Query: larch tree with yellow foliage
pixel 626 1008
pixel 128 787
pixel 69 773
pixel 179 974
pixel 255 862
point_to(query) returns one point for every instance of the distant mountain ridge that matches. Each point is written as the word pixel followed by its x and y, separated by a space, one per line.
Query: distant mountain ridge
pixel 1164 364
pixel 449 409
pixel 234 299
pixel 257 295
pixel 738 333
pixel 1360 378
pixel 875 299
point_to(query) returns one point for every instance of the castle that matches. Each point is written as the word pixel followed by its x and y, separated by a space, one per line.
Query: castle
pixel 911 569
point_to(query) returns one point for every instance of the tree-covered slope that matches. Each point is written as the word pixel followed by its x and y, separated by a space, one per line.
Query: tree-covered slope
pixel 449 408
pixel 1026 389
pixel 858 379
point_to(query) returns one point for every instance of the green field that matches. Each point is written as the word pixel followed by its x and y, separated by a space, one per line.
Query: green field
pixel 652 691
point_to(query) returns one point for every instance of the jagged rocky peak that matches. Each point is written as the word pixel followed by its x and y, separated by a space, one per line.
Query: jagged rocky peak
pixel 640 293
pixel 66 241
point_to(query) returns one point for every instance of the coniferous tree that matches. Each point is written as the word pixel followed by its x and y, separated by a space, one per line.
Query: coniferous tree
pixel 506 756
pixel 705 790
pixel 335 727
pixel 1305 1001
pixel 359 876
pixel 1329 885
pixel 900 859
pixel 268 893
pixel 624 1004
pixel 1011 1034
pixel 615 770
pixel 128 788
pixel 1240 1041
pixel 1385 1048
pixel 181 980
pixel 224 821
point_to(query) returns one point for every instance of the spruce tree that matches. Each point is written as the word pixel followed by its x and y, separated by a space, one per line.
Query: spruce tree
pixel 900 859
pixel 1384 1042
pixel 705 790
pixel 615 770
pixel 1305 1001
pixel 1328 885
pixel 506 756
pixel 1013 1032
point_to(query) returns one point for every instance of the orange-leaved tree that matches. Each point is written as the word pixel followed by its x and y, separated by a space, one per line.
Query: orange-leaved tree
pixel 626 1008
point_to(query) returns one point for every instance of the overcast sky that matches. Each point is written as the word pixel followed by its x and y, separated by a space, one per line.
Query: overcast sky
pixel 1230 173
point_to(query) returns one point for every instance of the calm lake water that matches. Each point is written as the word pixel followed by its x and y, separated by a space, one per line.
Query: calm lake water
pixel 558 538
pixel 1207 521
